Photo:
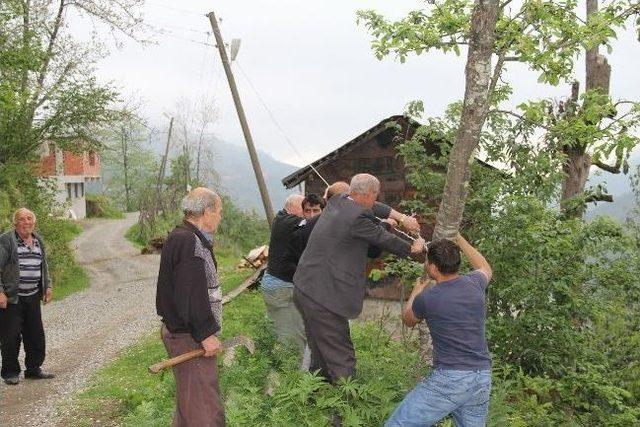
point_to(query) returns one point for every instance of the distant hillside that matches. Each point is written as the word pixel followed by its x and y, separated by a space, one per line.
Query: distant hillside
pixel 237 178
pixel 235 174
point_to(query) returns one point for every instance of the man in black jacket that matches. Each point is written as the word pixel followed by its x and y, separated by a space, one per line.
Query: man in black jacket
pixel 189 301
pixel 330 279
pixel 277 282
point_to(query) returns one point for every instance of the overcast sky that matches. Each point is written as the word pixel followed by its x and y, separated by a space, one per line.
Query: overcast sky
pixel 313 66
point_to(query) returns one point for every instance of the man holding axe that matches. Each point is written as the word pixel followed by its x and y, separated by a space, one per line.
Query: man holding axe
pixel 189 301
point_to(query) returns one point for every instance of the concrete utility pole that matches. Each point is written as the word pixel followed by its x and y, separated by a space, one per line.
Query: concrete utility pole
pixel 163 165
pixel 266 201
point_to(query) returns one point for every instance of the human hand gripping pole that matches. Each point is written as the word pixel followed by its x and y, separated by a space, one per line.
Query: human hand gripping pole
pixel 226 345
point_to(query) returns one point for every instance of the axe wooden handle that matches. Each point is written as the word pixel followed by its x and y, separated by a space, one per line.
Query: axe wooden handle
pixel 226 345
pixel 154 369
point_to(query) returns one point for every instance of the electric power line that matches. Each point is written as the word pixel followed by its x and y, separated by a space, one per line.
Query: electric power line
pixel 276 123
pixel 176 9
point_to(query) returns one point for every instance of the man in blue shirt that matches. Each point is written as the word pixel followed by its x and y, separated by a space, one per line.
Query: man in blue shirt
pixel 455 311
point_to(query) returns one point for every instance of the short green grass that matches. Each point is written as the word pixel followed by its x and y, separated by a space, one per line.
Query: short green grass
pixel 100 206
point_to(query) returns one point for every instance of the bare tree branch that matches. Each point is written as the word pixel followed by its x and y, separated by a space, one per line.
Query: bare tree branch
pixel 611 169
pixel 593 197
pixel 497 72
pixel 523 118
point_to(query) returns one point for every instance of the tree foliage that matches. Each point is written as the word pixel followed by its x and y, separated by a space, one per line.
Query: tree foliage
pixel 561 325
pixel 48 90
pixel 547 37
pixel 130 163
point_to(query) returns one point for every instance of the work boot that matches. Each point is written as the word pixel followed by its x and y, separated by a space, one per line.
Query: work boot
pixel 12 380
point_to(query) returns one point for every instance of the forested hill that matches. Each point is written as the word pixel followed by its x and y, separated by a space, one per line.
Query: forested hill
pixel 236 177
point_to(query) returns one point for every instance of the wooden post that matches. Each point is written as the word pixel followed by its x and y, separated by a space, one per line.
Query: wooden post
pixel 163 165
pixel 264 194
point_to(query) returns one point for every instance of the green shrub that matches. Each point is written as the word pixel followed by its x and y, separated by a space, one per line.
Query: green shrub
pixel 238 232
pixel 100 206
pixel 67 275
pixel 140 234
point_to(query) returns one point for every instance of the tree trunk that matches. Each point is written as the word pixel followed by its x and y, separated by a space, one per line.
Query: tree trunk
pixel 125 168
pixel 474 113
pixel 578 161
pixel 576 169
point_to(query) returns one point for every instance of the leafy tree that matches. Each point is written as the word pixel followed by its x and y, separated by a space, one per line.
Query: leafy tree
pixel 546 36
pixel 131 165
pixel 193 120
pixel 47 86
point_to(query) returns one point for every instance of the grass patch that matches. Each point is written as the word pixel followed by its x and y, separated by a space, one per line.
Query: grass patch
pixel 67 276
pixel 163 224
pixel 133 235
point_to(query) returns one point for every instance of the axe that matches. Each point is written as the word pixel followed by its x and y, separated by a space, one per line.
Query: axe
pixel 226 345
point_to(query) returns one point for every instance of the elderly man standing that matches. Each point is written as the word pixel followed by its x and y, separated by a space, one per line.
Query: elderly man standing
pixel 189 301
pixel 24 282
pixel 277 282
pixel 330 280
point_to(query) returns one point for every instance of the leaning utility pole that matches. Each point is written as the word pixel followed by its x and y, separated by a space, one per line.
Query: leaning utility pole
pixel 266 201
pixel 163 165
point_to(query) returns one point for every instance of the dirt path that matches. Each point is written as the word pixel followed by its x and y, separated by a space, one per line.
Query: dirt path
pixel 89 328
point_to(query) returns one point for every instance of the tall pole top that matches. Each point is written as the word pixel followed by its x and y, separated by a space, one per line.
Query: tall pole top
pixel 253 155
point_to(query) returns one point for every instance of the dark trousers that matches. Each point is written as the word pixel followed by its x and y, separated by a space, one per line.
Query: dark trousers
pixel 198 401
pixel 22 322
pixel 329 339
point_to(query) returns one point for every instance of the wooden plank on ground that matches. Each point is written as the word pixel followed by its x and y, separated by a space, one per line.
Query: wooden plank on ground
pixel 243 286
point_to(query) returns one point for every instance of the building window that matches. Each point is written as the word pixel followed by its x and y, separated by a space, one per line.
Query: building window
pixel 82 189
pixel 69 191
pixel 76 189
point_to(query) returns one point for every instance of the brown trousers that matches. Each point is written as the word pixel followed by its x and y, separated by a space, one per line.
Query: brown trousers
pixel 198 401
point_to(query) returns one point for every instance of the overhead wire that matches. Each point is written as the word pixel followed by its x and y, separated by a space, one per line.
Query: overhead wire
pixel 288 140
pixel 276 123
pixel 170 34
pixel 175 9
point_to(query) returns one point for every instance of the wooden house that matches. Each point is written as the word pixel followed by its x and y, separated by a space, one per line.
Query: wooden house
pixel 373 151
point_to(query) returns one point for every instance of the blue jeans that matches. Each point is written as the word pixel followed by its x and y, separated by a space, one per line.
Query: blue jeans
pixel 463 394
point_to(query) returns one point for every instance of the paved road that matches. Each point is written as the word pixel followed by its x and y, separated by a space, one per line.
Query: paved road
pixel 89 328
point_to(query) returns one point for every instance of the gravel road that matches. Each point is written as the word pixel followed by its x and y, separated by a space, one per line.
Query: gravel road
pixel 89 328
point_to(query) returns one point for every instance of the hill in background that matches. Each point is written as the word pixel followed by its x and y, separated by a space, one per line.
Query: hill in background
pixel 237 179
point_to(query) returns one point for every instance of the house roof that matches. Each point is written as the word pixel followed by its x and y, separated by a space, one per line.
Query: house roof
pixel 301 174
